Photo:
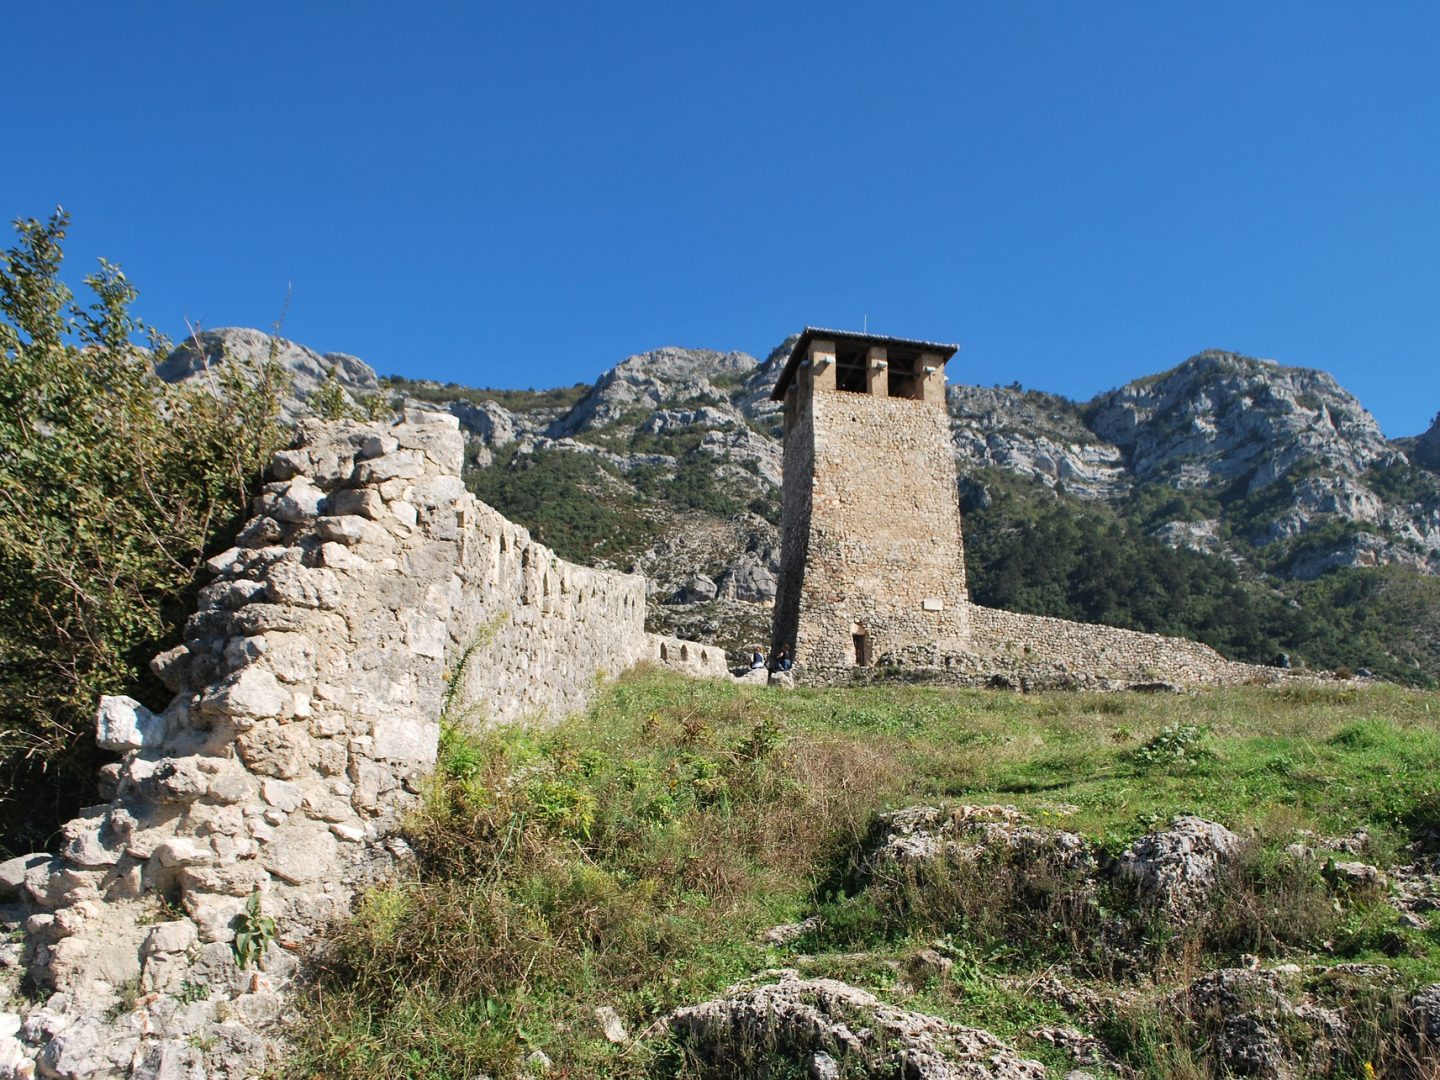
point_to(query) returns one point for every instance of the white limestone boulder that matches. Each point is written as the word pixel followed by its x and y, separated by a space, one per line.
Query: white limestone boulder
pixel 123 724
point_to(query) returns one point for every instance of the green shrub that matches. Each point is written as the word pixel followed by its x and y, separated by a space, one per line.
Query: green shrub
pixel 114 488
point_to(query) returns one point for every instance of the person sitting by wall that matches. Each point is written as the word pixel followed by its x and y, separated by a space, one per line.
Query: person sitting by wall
pixel 757 658
pixel 782 659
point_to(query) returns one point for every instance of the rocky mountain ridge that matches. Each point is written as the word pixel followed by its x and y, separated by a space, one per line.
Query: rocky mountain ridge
pixel 1277 469
pixel 1285 451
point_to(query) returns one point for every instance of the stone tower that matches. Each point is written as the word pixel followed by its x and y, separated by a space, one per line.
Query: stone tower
pixel 872 564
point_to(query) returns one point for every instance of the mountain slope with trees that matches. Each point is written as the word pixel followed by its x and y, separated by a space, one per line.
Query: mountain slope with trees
pixel 1252 506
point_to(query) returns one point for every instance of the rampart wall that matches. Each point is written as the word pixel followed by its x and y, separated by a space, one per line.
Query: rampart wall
pixel 368 592
pixel 1047 651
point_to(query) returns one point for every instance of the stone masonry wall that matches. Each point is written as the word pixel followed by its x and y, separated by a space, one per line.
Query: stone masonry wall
pixel 795 510
pixel 885 547
pixel 1035 649
pixel 308 693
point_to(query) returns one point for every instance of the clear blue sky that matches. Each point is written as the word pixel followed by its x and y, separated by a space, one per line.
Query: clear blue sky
pixel 1078 193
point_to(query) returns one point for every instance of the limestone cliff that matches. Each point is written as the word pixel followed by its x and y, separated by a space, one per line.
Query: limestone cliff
pixel 208 352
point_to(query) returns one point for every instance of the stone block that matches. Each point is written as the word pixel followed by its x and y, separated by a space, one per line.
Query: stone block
pixel 180 851
pixel 13 871
pixel 335 556
pixel 304 586
pixel 301 852
pixel 274 750
pixel 399 465
pixel 169 937
pixel 172 667
pixel 281 794
pixel 53 883
pixel 247 696
pixel 88 841
pixel 352 531
pixel 299 502
pixel 377 446
pixel 87 1048
pixel 425 635
pixel 122 724
pixel 362 502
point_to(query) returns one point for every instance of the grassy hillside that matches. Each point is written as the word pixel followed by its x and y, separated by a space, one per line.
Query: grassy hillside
pixel 633 857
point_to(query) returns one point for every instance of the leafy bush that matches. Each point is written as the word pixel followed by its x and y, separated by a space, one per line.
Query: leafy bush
pixel 1174 745
pixel 114 487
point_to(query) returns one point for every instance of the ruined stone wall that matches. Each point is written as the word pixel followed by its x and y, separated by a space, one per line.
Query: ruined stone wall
pixel 308 695
pixel 885 548
pixel 1055 651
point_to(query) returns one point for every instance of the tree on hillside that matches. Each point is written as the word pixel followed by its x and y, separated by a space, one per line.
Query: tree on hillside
pixel 114 488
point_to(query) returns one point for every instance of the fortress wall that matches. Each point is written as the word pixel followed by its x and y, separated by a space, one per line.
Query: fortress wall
pixel 1009 642
pixel 308 693
pixel 539 630
pixel 686 657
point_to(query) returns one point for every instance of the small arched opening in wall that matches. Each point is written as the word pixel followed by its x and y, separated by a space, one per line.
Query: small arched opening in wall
pixel 861 639
pixel 684 652
pixel 664 651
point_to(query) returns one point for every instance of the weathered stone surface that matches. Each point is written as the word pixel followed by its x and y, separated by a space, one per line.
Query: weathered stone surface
pixel 122 724
pixel 277 750
pixel 611 1026
pixel 86 1050
pixel 795 1019
pixel 13 871
pixel 169 937
pixel 1424 1009
pixel 1175 869
pixel 248 695
pixel 962 833
pixel 88 841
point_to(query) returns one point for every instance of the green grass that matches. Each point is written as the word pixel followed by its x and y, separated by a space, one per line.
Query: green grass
pixel 633 856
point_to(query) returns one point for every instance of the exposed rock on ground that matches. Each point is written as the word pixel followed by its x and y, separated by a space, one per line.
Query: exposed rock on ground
pixel 910 836
pixel 829 1026
pixel 1175 869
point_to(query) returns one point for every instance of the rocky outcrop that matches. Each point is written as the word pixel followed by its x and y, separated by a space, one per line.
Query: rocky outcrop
pixel 907 838
pixel 1175 869
pixel 1427 447
pixel 368 596
pixel 204 355
pixel 833 1030
pixel 652 382
pixel 1221 417
pixel 1172 871
pixel 1039 436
